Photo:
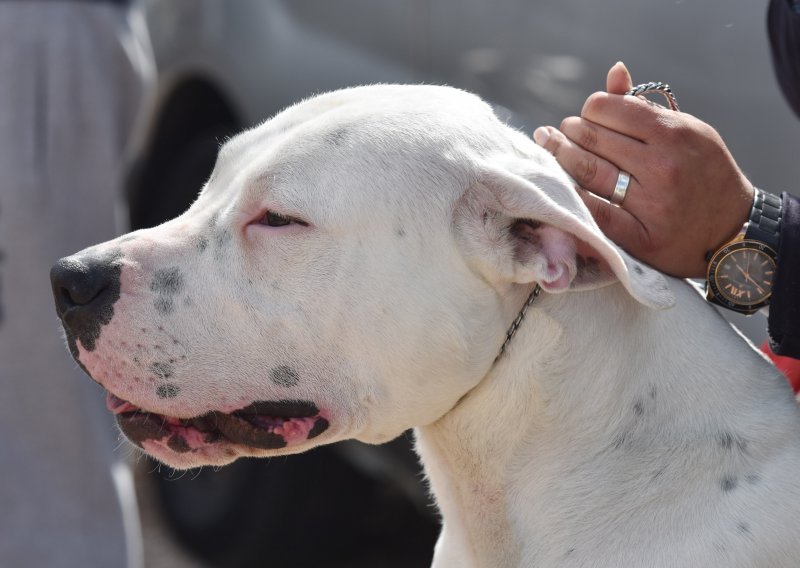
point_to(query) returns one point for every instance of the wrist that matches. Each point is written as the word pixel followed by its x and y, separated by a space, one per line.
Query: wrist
pixel 736 216
pixel 742 271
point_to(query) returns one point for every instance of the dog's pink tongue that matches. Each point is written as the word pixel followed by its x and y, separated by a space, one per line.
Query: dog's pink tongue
pixel 118 406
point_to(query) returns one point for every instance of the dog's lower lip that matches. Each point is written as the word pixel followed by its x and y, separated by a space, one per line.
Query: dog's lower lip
pixel 281 408
pixel 262 424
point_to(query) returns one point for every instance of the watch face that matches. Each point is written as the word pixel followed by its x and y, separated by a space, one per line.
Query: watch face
pixel 741 274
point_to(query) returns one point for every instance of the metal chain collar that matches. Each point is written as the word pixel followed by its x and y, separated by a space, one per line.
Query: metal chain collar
pixel 516 323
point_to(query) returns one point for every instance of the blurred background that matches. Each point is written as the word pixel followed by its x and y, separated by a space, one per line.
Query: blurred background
pixel 221 66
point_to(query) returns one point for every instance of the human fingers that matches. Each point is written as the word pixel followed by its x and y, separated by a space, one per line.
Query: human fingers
pixel 607 150
pixel 618 80
pixel 589 170
pixel 635 117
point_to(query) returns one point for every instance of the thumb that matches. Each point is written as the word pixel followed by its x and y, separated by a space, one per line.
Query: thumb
pixel 619 79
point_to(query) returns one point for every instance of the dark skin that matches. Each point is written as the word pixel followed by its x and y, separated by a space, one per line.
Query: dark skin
pixel 687 195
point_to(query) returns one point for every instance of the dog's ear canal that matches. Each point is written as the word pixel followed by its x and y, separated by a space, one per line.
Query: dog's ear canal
pixel 548 256
pixel 523 222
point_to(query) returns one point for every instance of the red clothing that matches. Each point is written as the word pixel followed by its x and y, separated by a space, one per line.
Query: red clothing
pixel 787 365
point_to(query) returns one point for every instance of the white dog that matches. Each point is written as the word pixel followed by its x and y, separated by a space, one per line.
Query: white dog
pixel 351 270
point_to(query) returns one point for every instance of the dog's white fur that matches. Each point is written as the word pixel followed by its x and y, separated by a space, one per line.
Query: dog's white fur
pixel 612 432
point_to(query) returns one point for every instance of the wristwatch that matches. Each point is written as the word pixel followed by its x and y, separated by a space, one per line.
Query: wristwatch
pixel 741 272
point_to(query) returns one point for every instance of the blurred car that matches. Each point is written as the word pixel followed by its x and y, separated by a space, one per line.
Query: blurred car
pixel 224 66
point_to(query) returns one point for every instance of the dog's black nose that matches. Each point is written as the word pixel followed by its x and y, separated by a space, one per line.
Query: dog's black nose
pixel 85 287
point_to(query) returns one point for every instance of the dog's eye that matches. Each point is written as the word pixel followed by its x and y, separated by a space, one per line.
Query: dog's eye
pixel 272 219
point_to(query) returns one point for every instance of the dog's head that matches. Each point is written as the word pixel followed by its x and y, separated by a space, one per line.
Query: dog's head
pixel 348 271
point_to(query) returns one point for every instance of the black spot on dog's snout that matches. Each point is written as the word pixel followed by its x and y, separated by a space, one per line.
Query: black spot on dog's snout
pixel 202 243
pixel 161 370
pixel 167 391
pixel 222 238
pixel 164 305
pixel 284 376
pixel 167 281
pixel 638 269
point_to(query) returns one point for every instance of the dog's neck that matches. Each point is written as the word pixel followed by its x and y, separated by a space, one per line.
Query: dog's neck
pixel 470 454
pixel 569 406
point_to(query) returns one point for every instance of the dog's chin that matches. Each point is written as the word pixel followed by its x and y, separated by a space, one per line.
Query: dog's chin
pixel 217 438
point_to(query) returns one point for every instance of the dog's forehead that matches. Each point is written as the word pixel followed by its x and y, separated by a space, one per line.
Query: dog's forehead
pixel 385 139
pixel 419 107
pixel 364 121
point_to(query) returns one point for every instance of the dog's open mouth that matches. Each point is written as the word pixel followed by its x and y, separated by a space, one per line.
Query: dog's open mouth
pixel 268 425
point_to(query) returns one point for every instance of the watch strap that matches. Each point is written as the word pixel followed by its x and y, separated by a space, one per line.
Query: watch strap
pixel 765 219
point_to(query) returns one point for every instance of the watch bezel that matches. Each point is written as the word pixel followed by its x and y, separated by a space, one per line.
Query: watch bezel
pixel 720 256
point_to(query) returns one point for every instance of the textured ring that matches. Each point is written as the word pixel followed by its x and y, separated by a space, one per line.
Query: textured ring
pixel 621 189
pixel 655 87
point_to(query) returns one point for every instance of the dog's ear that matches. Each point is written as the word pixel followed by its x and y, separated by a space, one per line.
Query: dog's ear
pixel 522 222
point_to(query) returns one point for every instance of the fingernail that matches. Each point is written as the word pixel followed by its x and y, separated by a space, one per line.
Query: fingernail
pixel 541 135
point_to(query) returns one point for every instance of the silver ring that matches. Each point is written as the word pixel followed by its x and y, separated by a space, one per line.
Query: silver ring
pixel 655 87
pixel 621 189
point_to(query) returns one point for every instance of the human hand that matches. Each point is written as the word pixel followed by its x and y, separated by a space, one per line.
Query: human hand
pixel 686 196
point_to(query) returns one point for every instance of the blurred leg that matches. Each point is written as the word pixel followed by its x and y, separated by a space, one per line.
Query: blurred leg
pixel 68 98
